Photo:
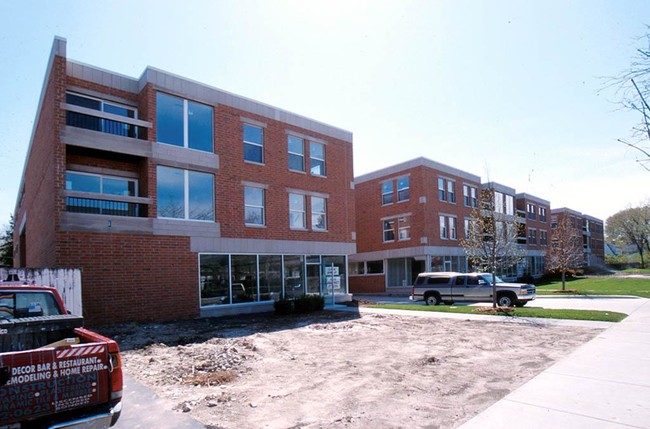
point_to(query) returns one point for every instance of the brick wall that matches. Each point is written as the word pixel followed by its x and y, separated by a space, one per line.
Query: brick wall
pixel 43 171
pixel 133 277
pixel 366 284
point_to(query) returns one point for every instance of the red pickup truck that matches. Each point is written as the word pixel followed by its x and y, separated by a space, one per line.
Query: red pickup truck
pixel 54 373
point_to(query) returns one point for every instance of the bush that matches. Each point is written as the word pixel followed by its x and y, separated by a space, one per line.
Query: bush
pixel 308 304
pixel 283 306
pixel 527 278
pixel 301 305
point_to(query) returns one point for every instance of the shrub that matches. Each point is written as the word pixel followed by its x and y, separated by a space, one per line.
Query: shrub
pixel 283 306
pixel 308 304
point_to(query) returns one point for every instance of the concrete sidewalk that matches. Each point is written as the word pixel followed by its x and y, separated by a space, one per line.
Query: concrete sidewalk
pixel 603 384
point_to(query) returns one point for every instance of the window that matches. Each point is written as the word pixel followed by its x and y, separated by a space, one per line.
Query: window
pixel 375 267
pixel 530 209
pixel 101 124
pixel 442 193
pixel 183 123
pixel 100 184
pixel 542 214
pixel 253 143
pixel 498 202
pixel 185 194
pixel 532 236
pixel 468 226
pixel 510 205
pixel 451 191
pixel 387 193
pixel 402 189
pixel 469 196
pixel 318 214
pixel 403 228
pixel 543 237
pixel 446 190
pixel 254 206
pixel 296 147
pixel 389 230
pixel 297 218
pixel 448 227
pixel 85 182
pixel 317 159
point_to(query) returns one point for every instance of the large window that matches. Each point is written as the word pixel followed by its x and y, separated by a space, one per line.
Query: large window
pixel 183 123
pixel 403 189
pixel 184 194
pixel 317 159
pixel 542 214
pixel 387 193
pixel 296 149
pixel 469 196
pixel 530 210
pixel 254 206
pixel 297 217
pixel 294 276
pixel 318 214
pixel 253 143
pixel 243 269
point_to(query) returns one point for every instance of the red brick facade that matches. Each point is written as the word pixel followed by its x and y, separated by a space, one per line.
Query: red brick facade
pixel 143 268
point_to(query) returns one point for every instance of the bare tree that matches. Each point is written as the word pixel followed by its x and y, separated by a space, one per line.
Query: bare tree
pixel 633 88
pixel 631 227
pixel 566 251
pixel 491 242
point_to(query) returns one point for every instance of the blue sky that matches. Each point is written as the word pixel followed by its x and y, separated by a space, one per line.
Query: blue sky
pixel 508 90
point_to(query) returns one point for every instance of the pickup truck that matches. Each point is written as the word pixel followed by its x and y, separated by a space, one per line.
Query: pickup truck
pixel 54 373
pixel 435 288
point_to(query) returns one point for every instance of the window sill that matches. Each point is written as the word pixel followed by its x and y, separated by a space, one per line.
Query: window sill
pixel 254 225
pixel 261 164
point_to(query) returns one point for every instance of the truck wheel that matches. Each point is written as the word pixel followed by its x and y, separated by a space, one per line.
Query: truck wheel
pixel 505 300
pixel 432 299
pixel 521 303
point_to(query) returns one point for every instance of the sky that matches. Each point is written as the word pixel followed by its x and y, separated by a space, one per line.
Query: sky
pixel 512 91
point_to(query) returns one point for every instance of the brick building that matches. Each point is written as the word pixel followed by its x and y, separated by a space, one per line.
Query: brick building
pixel 591 230
pixel 177 199
pixel 410 217
pixel 535 216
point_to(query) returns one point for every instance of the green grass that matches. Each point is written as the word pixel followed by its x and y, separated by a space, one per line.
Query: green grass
pixel 609 285
pixel 595 315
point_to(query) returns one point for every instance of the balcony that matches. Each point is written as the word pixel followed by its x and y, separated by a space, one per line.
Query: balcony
pixel 109 123
pixel 111 205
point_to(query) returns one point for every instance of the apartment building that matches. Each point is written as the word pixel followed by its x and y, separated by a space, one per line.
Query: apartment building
pixel 591 230
pixel 177 199
pixel 534 215
pixel 410 218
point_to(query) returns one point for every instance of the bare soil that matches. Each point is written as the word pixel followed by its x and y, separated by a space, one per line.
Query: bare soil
pixel 339 369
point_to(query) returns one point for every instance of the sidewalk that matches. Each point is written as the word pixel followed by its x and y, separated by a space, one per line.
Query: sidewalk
pixel 604 384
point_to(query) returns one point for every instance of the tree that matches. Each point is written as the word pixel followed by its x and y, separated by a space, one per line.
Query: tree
pixel 7 245
pixel 566 251
pixel 633 88
pixel 631 227
pixel 491 243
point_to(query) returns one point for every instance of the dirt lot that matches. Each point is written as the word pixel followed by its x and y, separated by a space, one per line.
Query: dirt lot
pixel 338 370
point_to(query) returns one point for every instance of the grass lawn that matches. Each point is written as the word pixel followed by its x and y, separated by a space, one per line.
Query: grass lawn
pixel 602 316
pixel 609 285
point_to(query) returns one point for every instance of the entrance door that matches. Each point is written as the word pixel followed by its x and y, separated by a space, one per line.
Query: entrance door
pixel 313 276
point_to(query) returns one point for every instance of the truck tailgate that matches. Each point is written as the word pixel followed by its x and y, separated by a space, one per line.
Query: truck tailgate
pixel 49 380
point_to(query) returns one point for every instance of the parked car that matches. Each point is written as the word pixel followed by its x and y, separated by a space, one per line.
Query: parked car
pixel 449 287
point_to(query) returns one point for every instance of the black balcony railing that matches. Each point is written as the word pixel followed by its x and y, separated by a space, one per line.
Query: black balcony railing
pixel 104 207
pixel 109 126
